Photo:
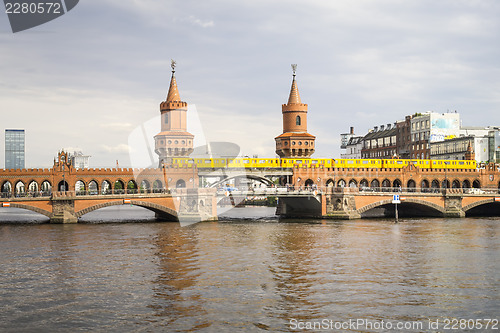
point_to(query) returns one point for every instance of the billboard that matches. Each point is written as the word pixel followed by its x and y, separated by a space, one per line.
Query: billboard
pixel 444 126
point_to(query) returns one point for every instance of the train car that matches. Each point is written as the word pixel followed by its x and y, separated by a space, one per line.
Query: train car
pixel 358 163
pixel 453 164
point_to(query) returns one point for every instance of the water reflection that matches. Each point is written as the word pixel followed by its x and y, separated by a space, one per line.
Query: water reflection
pixel 245 275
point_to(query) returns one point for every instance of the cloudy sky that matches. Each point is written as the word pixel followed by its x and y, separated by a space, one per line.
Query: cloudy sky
pixel 92 76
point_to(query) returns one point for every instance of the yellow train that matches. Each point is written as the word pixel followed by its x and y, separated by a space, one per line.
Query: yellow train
pixel 262 163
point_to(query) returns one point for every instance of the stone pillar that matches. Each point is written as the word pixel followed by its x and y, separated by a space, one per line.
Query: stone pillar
pixel 453 205
pixel 63 209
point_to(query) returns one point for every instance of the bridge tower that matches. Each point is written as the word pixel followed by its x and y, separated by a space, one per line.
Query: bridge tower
pixel 294 142
pixel 174 140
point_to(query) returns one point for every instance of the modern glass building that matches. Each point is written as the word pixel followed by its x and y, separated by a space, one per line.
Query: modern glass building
pixel 14 149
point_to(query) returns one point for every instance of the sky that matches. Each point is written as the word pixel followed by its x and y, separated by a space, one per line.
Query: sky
pixel 95 75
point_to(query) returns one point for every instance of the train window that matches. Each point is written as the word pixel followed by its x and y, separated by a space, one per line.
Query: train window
pixel 350 162
pixel 447 163
pixel 298 162
pixel 246 161
pixel 366 162
pixel 461 163
pixel 207 161
pixel 314 162
pixel 399 162
pixel 262 161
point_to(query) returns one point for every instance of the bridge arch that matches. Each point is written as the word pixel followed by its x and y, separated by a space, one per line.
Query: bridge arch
pixel 80 186
pixel 438 209
pixel 309 182
pixel 331 183
pixel 386 183
pixel 364 183
pixel 19 188
pixel 263 180
pixel 353 183
pixel 6 189
pixel 172 214
pixel 31 208
pixel 476 183
pixel 93 187
pixel 424 185
pixel 489 203
pixel 106 187
pixel 375 183
pixel 455 184
pixel 119 186
pixel 396 184
pixel 466 183
pixel 341 183
pixel 132 186
pixel 181 183
pixel 411 185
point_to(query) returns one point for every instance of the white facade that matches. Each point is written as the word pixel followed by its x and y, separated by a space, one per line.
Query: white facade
pixel 435 127
pixel 79 161
pixel 353 148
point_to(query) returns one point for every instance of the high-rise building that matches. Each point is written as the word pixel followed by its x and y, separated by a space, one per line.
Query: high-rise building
pixel 14 149
pixel 294 141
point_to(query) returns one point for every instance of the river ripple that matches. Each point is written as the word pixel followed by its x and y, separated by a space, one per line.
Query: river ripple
pixel 243 273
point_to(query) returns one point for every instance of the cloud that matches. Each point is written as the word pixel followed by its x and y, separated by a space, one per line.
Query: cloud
pixel 121 148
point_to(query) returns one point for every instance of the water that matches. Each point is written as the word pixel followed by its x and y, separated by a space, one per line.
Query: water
pixel 243 273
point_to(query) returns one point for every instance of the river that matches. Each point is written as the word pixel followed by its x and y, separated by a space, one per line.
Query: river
pixel 120 271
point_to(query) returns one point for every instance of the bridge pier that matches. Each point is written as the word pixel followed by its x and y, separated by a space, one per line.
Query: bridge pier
pixel 63 210
pixel 453 205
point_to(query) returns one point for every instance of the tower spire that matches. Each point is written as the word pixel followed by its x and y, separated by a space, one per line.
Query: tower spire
pixel 173 92
pixel 294 97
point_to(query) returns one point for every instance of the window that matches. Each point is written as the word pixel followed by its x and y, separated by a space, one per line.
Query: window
pixel 297 121
pixel 166 118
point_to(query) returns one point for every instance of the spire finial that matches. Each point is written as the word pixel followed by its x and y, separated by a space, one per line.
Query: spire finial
pixel 294 69
pixel 173 63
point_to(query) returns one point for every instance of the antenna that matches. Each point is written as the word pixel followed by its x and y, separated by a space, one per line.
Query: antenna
pixel 294 68
pixel 173 63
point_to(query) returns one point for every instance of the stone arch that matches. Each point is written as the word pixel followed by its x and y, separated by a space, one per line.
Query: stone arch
pixel 375 184
pixel 478 203
pixel 476 184
pixel 411 185
pixel 63 186
pixel 157 186
pixel 148 205
pixel 33 188
pixel 341 183
pixel 331 183
pixel 119 187
pixel 261 179
pixel 33 209
pixel 132 186
pixel 106 187
pixel 364 184
pixel 19 188
pixel 145 186
pixel 396 183
pixel 6 189
pixel 93 187
pixel 353 183
pixel 445 183
pixel 386 184
pixel 366 208
pixel 466 183
pixel 309 182
pixel 80 187
pixel 181 183
pixel 424 185
pixel 435 184
pixel 455 184
pixel 46 188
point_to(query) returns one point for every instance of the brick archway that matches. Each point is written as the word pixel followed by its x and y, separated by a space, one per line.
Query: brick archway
pixel 148 205
pixel 31 208
pixel 431 205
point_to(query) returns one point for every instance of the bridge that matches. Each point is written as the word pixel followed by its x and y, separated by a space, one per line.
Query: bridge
pixel 64 193
pixel 353 203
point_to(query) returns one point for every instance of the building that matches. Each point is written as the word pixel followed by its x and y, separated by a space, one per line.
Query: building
pixel 458 148
pixel 14 149
pixel 174 140
pixel 294 142
pixel 431 127
pixel 403 138
pixel 380 142
pixel 79 161
pixel 353 148
pixel 494 145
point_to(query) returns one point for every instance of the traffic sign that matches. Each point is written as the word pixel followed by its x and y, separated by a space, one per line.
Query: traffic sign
pixel 395 199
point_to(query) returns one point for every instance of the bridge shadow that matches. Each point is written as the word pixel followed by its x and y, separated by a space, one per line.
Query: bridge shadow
pixel 486 209
pixel 21 215
pixel 405 209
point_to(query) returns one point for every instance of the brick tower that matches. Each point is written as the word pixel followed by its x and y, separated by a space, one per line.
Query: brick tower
pixel 174 140
pixel 295 142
